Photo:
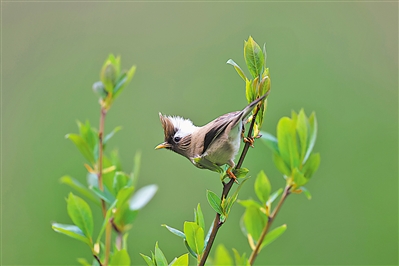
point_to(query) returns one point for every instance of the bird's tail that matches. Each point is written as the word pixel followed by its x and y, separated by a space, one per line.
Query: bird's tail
pixel 252 105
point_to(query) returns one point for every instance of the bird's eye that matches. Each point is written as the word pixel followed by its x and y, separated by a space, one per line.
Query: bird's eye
pixel 177 139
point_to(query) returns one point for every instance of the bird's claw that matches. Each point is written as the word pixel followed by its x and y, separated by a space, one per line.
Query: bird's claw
pixel 231 175
pixel 250 140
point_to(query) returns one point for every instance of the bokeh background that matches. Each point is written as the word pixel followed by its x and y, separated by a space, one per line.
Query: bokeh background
pixel 337 59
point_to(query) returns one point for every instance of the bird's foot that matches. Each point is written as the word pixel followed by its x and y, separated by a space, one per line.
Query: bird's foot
pixel 250 140
pixel 231 175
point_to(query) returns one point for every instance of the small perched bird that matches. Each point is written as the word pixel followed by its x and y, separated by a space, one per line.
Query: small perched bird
pixel 210 146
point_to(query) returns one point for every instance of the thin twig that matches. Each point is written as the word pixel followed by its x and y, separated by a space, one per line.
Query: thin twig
pixel 98 260
pixel 265 230
pixel 217 223
pixel 100 157
pixel 108 236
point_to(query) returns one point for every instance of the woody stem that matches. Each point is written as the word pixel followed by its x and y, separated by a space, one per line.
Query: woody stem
pixel 217 223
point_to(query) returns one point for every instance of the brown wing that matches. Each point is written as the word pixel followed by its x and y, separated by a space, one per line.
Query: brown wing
pixel 218 126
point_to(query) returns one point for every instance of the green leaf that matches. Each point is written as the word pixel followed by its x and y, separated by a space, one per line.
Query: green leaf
pixel 208 235
pixel 71 231
pixel 273 235
pixel 240 260
pixel 199 217
pixel 108 75
pixel 241 172
pixel 105 195
pixel 142 197
pixel 73 183
pixel 306 192
pixel 148 260
pixel 249 203
pixel 214 201
pixel 105 221
pixel 281 165
pixel 222 256
pixel 84 262
pixel 99 89
pixel 120 257
pixel 160 257
pixel 287 144
pixel 312 136
pixel 298 178
pixel 194 236
pixel 262 187
pixel 311 165
pixel 270 141
pixel 180 261
pixel 302 130
pixel 231 200
pixel 175 231
pixel 254 57
pixel 274 196
pixel 237 68
pixel 123 81
pixel 123 215
pixel 136 168
pixel 120 181
pixel 80 213
pixel 111 134
pixel 192 252
pixel 249 92
pixel 254 221
pixel 83 147
pixel 89 134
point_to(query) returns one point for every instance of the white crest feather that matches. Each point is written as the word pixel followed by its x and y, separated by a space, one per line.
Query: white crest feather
pixel 184 126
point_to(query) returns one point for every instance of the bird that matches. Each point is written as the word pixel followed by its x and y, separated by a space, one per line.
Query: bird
pixel 210 146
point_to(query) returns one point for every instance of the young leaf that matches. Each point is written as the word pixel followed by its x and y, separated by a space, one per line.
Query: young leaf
pixel 248 203
pixel 241 172
pixel 254 57
pixel 199 217
pixel 254 221
pixel 287 144
pixel 105 195
pixel 240 260
pixel 142 197
pixel 180 261
pixel 298 178
pixel 71 231
pixel 160 257
pixel 120 257
pixel 281 165
pixel 192 252
pixel 194 236
pixel 306 192
pixel 120 181
pixel 73 183
pixel 249 92
pixel 273 235
pixel 136 168
pixel 111 134
pixel 175 231
pixel 80 213
pixel 222 256
pixel 262 187
pixel 270 141
pixel 311 165
pixel 237 68
pixel 302 129
pixel 312 136
pixel 208 235
pixel 148 260
pixel 214 201
pixel 274 196
pixel 83 147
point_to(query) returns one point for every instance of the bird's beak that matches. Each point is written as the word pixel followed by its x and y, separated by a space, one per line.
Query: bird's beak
pixel 163 146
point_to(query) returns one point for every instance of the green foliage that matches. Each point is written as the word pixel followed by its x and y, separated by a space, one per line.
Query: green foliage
pixel 159 259
pixel 108 186
pixel 259 85
pixel 292 149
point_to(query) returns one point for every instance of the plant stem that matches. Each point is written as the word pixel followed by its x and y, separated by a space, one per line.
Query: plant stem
pixel 269 223
pixel 217 223
pixel 98 260
pixel 100 157
pixel 108 231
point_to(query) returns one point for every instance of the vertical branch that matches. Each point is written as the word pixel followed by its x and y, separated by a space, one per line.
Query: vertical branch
pixel 217 223
pixel 265 230
pixel 100 157
pixel 108 231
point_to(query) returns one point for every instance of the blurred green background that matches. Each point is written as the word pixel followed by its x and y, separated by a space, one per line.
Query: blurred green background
pixel 337 59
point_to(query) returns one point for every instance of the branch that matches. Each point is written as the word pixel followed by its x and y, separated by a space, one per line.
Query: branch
pixel 269 223
pixel 100 157
pixel 217 223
